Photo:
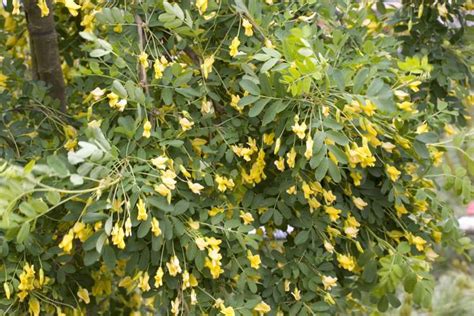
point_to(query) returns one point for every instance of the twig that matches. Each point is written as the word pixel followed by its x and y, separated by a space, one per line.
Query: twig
pixel 141 41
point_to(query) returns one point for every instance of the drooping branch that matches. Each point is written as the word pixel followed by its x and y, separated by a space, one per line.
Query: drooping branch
pixel 46 63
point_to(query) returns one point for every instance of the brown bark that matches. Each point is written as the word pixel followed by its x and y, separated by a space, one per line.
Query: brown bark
pixel 46 61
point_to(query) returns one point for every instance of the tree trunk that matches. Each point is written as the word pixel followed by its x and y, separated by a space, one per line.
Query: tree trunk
pixel 46 63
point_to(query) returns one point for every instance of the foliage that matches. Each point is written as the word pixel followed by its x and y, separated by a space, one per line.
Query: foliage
pixel 197 132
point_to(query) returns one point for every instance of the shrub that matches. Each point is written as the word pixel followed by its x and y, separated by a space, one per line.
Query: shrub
pixel 199 132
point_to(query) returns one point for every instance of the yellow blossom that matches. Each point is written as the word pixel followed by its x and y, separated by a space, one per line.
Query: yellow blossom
pixel 329 197
pixel 299 129
pixel 234 47
pixel 168 179
pixel 66 243
pixel 224 183
pixel 449 129
pixel 296 294
pixel 406 106
pixel 159 277
pixel 193 297
pixel 185 124
pixel 388 147
pixel 6 288
pixel 262 308
pixel 160 162
pixel 143 59
pixel 173 266
pixel 291 190
pixel 309 148
pixel 201 5
pixel 346 262
pixel 291 158
pixel 147 129
pixel 206 66
pixel 42 5
pixel 118 235
pixel 201 243
pixel 400 208
pixel 155 227
pixel 227 311
pixel 280 164
pixel 332 212
pixel 143 283
pixel 351 227
pixel 418 242
pixel 329 299
pixel 195 187
pixel 215 210
pixel 328 246
pixel 72 6
pixel 414 85
pixel 329 282
pixel 356 177
pixel 246 217
pixel 175 306
pixel 234 102
pixel 34 306
pixel 393 173
pixel 369 108
pixel 277 146
pixel 142 213
pixel 159 66
pixel 248 27
pixel 83 294
pixel 359 203
pixel 423 128
pixel 254 260
pixel 269 139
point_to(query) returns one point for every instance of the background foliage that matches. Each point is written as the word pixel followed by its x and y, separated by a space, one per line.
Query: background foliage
pixel 199 132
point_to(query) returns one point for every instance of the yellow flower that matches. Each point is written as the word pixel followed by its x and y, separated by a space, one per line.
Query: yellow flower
pixel 195 187
pixel 71 6
pixel 291 158
pixel 142 213
pixel 201 5
pixel 155 227
pixel 224 183
pixel 401 209
pixel 163 190
pixel 309 148
pixel 280 164
pixel 193 297
pixel 3 80
pixel 328 246
pixel 296 294
pixel 359 203
pixel 234 102
pixel 369 108
pixel 234 47
pixel 227 311
pixel 159 66
pixel 143 59
pixel 248 27
pixel 392 173
pixel 186 124
pixel 329 299
pixel 16 7
pixel 113 99
pixel 147 129
pixel 118 235
pixel 118 28
pixel 418 242
pixel 449 129
pixel 42 5
pixel 262 308
pixel 346 262
pixel 168 179
pixel 175 306
pixel 143 283
pixel 159 277
pixel 389 147
pixel 299 129
pixel 329 282
pixel 160 162
pixel 6 288
pixel 254 260
pixel 423 128
pixel 406 106
pixel 269 139
pixel 83 294
pixel 246 217
pixel 173 266
pixel 351 227
pixel 206 66
pixel 291 190
pixel 34 306
pixel 332 212
pixel 277 146
pixel 329 197
pixel 66 243
pixel 414 85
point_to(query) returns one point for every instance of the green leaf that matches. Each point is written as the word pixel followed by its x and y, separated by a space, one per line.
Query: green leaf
pixel 360 79
pixel 301 237
pixel 249 86
pixel 258 107
pixel 23 233
pixel 58 166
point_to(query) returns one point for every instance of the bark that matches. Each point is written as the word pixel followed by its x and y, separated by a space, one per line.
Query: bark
pixel 46 63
